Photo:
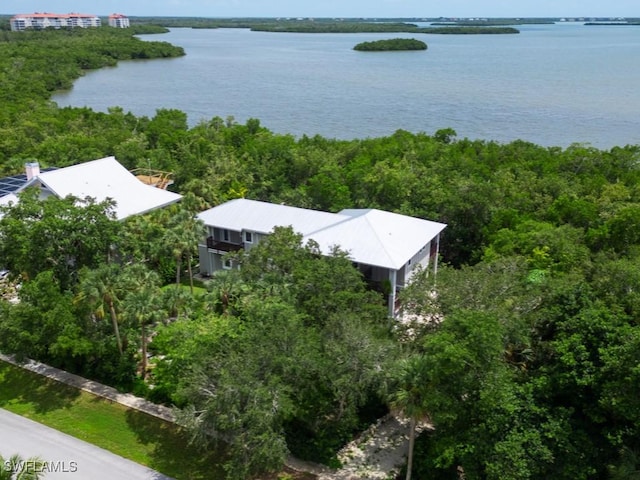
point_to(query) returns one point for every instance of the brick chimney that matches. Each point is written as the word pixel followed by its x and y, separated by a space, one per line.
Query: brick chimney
pixel 32 169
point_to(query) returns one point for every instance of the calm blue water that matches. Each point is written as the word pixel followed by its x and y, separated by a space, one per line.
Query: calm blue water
pixel 551 84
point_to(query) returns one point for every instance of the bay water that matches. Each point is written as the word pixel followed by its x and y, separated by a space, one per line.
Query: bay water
pixel 553 85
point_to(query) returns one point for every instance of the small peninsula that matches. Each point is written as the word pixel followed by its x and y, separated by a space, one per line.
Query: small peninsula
pixel 393 44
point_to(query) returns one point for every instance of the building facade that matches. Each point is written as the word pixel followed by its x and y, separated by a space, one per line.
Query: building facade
pixel 117 20
pixel 386 247
pixel 40 21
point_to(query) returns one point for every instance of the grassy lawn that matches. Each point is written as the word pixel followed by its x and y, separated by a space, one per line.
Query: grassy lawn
pixel 198 287
pixel 131 434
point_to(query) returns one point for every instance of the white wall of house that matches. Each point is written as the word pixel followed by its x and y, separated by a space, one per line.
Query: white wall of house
pixel 420 259
pixel 391 302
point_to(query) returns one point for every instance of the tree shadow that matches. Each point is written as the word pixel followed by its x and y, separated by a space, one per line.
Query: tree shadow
pixel 172 453
pixel 22 386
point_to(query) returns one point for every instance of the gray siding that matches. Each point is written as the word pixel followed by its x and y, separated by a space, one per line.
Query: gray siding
pixel 218 235
pixel 256 238
pixel 205 260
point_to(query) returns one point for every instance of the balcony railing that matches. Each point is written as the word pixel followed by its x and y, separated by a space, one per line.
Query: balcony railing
pixel 222 246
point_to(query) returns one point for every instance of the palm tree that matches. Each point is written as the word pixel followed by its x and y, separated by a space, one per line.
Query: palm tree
pixel 176 301
pixel 176 244
pixel 16 468
pixel 141 306
pixel 101 287
pixel 137 242
pixel 409 397
pixel 224 289
pixel 627 467
pixel 141 302
pixel 182 238
pixel 137 276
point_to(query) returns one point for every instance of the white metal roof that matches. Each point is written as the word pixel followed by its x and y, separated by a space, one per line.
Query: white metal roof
pixel 377 237
pixel 373 237
pixel 8 200
pixel 242 214
pixel 102 179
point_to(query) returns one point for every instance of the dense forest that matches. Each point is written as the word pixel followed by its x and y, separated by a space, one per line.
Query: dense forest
pixel 363 27
pixel 525 358
pixel 326 25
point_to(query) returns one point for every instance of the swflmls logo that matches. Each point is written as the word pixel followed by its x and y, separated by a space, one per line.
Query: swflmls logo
pixel 32 466
pixel 63 467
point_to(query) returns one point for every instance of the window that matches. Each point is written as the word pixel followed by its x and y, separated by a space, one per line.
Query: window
pixel 225 235
pixel 248 237
pixel 226 263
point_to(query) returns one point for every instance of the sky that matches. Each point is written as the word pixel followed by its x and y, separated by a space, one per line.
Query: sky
pixel 333 8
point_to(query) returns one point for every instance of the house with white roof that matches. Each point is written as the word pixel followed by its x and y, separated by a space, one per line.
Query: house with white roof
pixel 384 246
pixel 100 179
pixel 8 200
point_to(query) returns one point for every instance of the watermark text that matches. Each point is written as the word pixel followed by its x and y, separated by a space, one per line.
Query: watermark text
pixel 37 466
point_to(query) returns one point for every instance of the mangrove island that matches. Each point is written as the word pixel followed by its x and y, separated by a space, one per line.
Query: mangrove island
pixel 391 45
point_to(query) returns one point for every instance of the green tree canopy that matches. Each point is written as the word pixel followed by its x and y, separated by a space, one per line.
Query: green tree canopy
pixel 61 235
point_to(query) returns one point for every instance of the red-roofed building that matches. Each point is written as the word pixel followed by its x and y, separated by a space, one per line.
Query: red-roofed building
pixel 117 20
pixel 40 21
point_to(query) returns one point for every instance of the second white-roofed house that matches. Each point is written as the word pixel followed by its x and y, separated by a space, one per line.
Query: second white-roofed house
pixel 99 179
pixel 386 247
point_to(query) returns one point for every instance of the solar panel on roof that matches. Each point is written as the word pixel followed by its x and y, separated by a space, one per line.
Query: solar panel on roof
pixel 13 183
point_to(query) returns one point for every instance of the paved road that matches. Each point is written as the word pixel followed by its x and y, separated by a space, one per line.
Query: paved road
pixel 72 458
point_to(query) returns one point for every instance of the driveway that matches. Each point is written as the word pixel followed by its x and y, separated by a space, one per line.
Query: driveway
pixel 68 457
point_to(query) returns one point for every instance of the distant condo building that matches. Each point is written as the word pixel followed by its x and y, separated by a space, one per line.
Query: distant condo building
pixel 117 20
pixel 40 21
